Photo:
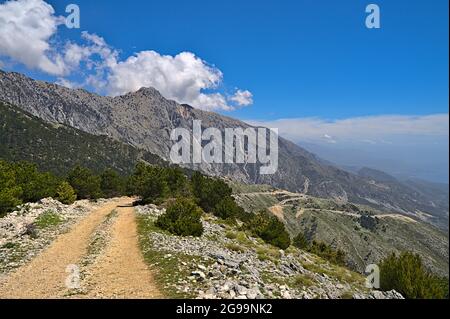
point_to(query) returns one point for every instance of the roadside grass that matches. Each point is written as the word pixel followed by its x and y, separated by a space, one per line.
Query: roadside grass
pixel 48 219
pixel 170 268
pixel 98 240
pixel 14 253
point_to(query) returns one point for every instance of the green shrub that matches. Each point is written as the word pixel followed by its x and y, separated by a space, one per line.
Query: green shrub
pixel 177 181
pixel 214 196
pixel 270 229
pixel 47 219
pixel 10 193
pixel 34 184
pixel 407 275
pixel 182 218
pixel 85 183
pixel 22 182
pixel 10 245
pixel 335 256
pixel 300 241
pixel 227 209
pixel 148 182
pixel 9 199
pixel 65 193
pixel 111 183
pixel 209 192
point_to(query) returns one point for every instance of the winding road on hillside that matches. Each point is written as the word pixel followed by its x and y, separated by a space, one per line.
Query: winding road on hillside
pixel 118 271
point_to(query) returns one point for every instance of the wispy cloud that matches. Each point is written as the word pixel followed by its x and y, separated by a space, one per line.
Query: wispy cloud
pixel 369 129
pixel 404 146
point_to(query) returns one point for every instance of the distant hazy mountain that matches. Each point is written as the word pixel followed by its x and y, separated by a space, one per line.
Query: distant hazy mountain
pixel 376 175
pixel 145 119
pixel 424 160
pixel 436 194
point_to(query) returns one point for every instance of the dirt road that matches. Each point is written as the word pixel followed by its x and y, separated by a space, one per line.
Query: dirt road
pixel 118 271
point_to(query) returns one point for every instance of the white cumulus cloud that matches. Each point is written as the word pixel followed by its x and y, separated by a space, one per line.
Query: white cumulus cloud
pixel 28 30
pixel 26 27
pixel 182 77
pixel 242 98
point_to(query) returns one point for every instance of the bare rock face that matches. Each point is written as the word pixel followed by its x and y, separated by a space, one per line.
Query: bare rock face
pixel 145 120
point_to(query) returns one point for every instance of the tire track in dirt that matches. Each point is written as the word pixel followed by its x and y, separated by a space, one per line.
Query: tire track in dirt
pixel 119 272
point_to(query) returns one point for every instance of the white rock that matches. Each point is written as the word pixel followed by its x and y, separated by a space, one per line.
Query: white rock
pixel 241 290
pixel 286 295
pixel 252 293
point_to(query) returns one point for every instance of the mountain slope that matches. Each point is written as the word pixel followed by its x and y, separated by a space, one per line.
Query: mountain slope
pixel 364 234
pixel 57 148
pixel 435 194
pixel 145 119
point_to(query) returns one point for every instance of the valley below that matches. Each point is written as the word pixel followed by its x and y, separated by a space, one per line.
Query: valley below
pixel 366 235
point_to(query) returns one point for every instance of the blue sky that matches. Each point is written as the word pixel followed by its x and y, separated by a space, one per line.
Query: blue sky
pixel 310 67
pixel 298 58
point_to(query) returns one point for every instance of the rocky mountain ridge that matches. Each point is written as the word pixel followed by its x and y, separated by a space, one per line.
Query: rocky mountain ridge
pixel 145 119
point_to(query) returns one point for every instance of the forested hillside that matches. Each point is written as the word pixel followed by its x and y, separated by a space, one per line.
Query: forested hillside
pixel 58 148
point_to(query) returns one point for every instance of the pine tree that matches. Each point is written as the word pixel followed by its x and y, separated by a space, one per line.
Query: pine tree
pixel 182 218
pixel 85 183
pixel 111 184
pixel 66 194
pixel 300 241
